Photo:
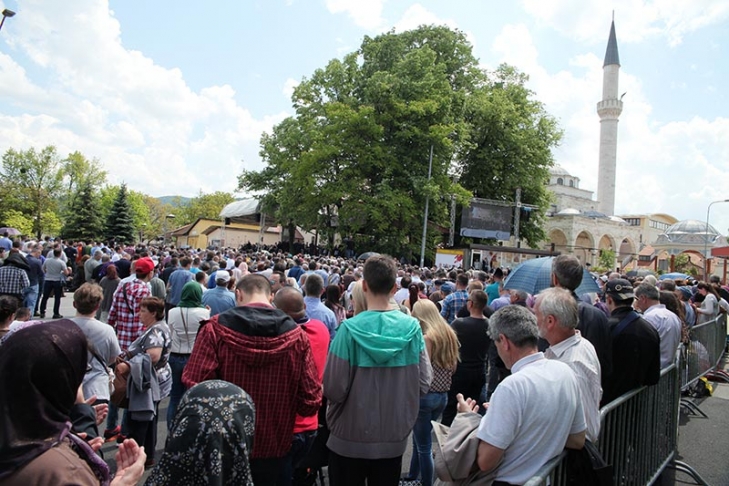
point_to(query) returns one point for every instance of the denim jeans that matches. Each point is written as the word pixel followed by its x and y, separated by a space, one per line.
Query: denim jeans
pixel 421 462
pixel 112 419
pixel 30 297
pixel 177 364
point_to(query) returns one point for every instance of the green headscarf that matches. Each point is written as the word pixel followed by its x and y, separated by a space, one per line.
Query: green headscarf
pixel 191 295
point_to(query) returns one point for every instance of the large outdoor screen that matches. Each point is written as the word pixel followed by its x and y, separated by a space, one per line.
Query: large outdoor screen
pixel 484 220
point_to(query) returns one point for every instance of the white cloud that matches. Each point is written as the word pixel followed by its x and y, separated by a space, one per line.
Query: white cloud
pixel 288 88
pixel 586 20
pixel 366 14
pixel 417 15
pixel 675 167
pixel 141 120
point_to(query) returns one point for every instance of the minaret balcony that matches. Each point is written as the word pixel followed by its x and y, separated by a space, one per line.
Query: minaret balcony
pixel 609 109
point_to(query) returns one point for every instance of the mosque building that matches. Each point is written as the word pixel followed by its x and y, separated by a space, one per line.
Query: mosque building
pixel 580 225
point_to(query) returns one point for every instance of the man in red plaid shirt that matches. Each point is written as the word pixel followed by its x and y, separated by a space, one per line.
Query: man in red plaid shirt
pixel 124 312
pixel 262 350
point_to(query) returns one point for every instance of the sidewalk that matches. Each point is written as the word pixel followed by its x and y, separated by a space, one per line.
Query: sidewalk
pixel 703 442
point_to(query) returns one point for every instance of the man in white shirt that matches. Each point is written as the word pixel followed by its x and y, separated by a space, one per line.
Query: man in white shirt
pixel 668 325
pixel 557 317
pixel 535 412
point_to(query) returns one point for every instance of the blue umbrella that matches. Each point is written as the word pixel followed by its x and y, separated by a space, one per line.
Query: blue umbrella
pixel 674 276
pixel 535 275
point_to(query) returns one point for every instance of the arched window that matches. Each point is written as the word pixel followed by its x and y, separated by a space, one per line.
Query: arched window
pixel 572 183
pixel 560 182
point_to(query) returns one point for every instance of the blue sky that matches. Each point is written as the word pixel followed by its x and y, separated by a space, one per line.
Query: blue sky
pixel 172 97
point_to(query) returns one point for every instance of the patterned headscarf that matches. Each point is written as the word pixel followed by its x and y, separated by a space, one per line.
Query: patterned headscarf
pixel 42 368
pixel 211 438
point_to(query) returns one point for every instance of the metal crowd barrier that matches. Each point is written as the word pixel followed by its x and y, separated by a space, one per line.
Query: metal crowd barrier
pixel 701 357
pixel 639 430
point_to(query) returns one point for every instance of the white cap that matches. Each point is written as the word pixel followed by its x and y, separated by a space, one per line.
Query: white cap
pixel 222 276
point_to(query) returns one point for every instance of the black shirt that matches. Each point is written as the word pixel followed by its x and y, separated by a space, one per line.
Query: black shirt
pixel 593 326
pixel 636 356
pixel 473 336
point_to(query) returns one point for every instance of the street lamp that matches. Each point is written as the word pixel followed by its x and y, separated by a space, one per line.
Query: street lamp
pixel 6 13
pixel 706 238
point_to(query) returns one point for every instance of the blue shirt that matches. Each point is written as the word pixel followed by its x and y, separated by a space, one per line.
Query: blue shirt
pixel 177 280
pixel 452 304
pixel 219 299
pixel 316 309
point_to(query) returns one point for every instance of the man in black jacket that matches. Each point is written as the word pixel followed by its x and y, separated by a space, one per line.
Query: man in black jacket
pixel 567 273
pixel 636 345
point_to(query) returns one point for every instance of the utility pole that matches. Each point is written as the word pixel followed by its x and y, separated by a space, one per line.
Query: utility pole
pixel 517 214
pixel 425 217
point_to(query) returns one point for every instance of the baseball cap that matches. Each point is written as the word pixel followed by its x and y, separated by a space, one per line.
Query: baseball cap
pixel 619 288
pixel 222 276
pixel 144 265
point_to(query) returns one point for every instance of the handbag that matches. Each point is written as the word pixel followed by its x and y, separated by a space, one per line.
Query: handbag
pixel 122 370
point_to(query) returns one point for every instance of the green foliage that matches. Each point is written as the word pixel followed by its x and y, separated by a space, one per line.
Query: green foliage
pixel 79 172
pixel 31 182
pixel 203 206
pixel 13 218
pixel 120 221
pixel 83 217
pixel 607 258
pixel 354 158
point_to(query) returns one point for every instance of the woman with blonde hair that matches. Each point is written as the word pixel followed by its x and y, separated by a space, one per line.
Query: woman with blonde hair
pixel 442 345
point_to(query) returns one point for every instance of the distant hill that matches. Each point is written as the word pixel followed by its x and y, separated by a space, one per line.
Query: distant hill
pixel 174 200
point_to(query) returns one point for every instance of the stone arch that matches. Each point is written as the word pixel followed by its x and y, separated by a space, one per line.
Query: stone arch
pixel 585 247
pixel 560 181
pixel 572 183
pixel 559 240
pixel 627 253
pixel 607 242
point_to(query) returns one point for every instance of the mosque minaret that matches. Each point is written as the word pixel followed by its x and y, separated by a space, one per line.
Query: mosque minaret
pixel 609 110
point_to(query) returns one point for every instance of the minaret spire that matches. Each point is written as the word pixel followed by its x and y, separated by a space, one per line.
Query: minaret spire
pixel 609 109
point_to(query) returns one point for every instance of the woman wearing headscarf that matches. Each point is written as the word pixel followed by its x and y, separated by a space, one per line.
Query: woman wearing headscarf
pixel 210 439
pixel 184 321
pixel 43 367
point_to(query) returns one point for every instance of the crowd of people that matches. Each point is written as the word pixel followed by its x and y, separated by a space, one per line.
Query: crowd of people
pixel 267 356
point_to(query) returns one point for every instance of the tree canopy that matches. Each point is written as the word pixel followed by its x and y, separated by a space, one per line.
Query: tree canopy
pixel 353 159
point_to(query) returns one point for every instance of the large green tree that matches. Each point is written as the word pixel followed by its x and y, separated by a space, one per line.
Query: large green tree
pixel 120 222
pixel 203 206
pixel 31 182
pixel 79 172
pixel 353 159
pixel 83 217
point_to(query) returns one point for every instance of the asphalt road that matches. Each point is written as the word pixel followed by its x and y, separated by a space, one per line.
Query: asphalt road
pixel 702 443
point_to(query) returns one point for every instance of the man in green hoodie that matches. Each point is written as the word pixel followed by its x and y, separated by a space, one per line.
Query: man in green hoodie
pixel 376 371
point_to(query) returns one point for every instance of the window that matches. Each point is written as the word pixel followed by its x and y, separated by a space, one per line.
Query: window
pixel 659 225
pixel 560 182
pixel 572 183
pixel 632 221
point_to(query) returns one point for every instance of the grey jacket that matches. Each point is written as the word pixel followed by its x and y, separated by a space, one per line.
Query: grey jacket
pixel 142 388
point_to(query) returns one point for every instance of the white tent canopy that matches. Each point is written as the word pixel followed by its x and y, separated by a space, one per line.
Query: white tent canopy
pixel 242 208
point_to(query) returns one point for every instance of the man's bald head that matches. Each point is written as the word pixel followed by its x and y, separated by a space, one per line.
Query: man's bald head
pixel 290 300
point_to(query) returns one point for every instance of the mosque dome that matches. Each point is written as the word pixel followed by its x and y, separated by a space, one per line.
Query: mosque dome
pixel 568 211
pixel 617 219
pixel 558 170
pixel 691 226
pixel 689 232
pixel 594 214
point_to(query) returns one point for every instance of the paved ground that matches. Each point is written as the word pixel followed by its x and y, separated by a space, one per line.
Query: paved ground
pixel 702 444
